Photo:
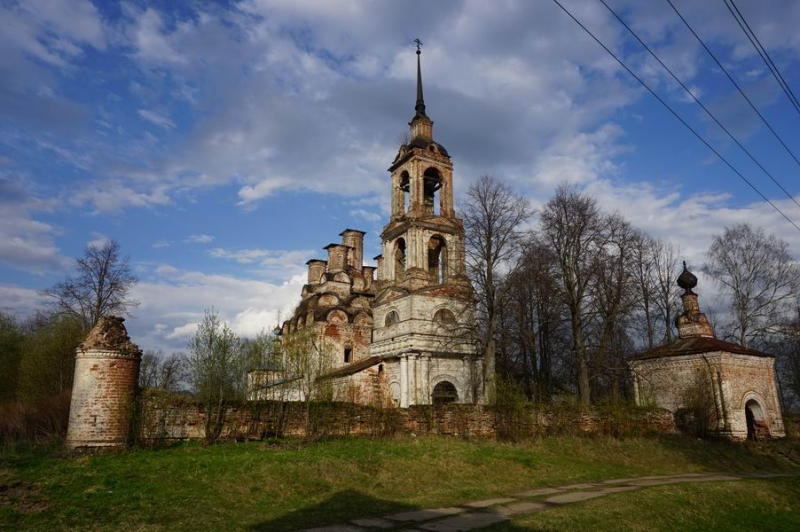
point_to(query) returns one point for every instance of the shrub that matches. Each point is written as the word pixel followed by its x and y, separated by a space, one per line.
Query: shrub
pixel 42 420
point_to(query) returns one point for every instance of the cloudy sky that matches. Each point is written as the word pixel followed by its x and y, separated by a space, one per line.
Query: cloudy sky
pixel 224 144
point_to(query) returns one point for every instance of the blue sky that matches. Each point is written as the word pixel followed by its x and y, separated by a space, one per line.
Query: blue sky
pixel 224 144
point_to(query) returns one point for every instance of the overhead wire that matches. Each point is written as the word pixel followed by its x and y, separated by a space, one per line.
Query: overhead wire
pixel 674 113
pixel 763 53
pixel 697 100
pixel 735 84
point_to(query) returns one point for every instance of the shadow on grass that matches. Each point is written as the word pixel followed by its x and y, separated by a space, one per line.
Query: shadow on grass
pixel 340 509
pixel 343 507
pixel 725 455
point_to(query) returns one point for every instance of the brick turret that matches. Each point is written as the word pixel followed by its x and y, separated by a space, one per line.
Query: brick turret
pixel 104 388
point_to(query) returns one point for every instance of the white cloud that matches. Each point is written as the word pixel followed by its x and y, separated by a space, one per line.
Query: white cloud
pixel 19 301
pixel 111 195
pixel 52 30
pixel 272 264
pixel 26 243
pixel 580 158
pixel 98 241
pixel 148 34
pixel 173 302
pixel 199 239
pixel 156 118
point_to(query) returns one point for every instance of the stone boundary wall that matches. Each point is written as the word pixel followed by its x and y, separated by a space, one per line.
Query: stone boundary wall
pixel 163 419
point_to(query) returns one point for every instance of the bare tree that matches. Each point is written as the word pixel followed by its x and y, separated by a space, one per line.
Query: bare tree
pixel 148 370
pixel 214 362
pixel 493 215
pixel 758 274
pixel 101 287
pixel 667 293
pixel 643 272
pixel 576 231
pixel 534 315
pixel 613 296
pixel 158 371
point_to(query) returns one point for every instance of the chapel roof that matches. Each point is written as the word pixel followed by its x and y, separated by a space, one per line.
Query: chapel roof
pixel 697 345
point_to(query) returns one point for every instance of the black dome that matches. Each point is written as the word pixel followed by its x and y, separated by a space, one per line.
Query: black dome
pixel 687 280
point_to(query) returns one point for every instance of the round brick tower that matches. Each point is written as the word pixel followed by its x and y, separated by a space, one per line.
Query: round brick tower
pixel 104 388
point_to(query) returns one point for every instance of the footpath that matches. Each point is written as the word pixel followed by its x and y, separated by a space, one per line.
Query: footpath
pixel 478 514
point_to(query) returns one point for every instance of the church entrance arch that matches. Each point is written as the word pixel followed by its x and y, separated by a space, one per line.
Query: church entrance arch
pixel 757 427
pixel 444 393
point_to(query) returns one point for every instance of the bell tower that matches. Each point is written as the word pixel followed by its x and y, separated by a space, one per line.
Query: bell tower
pixel 422 310
pixel 423 242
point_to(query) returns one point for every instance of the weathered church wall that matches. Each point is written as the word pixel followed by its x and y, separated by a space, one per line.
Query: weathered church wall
pixel 731 380
pixel 170 419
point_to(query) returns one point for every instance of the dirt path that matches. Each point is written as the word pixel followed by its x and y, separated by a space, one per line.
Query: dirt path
pixel 478 514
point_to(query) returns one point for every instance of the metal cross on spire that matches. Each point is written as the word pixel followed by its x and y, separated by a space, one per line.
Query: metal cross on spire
pixel 420 106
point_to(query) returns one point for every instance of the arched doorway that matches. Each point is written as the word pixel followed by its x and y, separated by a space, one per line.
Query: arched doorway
pixel 444 393
pixel 757 428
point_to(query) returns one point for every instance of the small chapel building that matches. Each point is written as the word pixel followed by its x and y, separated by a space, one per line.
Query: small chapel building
pixel 737 383
pixel 403 333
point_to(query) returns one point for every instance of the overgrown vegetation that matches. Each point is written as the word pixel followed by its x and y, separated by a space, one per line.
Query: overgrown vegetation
pixel 37 355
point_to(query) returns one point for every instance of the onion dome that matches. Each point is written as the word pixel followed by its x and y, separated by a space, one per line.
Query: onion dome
pixel 687 280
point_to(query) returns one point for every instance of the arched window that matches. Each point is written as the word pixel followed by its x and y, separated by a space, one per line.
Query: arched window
pixel 444 393
pixel 432 182
pixel 348 354
pixel 437 259
pixel 391 318
pixel 399 259
pixel 405 189
pixel 444 316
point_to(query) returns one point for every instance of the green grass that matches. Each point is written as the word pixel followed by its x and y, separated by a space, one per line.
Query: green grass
pixel 287 486
pixel 744 505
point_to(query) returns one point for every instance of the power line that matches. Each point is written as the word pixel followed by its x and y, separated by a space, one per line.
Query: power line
pixel 709 113
pixel 744 95
pixel 774 69
pixel 763 53
pixel 682 121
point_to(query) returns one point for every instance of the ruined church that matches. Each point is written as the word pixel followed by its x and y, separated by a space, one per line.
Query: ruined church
pixel 402 332
pixel 731 385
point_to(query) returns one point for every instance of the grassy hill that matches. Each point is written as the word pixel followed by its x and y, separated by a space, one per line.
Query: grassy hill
pixel 289 485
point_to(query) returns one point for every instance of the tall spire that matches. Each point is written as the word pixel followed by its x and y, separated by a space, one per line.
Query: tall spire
pixel 420 106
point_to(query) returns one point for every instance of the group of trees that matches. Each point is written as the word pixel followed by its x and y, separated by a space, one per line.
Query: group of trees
pixel 567 301
pixel 37 354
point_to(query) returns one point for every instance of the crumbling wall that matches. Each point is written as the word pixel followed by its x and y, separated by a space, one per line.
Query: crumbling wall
pixel 167 418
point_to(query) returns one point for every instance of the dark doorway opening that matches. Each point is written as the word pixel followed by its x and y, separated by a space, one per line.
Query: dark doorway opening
pixel 444 393
pixel 757 428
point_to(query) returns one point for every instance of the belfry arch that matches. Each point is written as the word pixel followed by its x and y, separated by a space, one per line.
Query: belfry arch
pixel 405 191
pixel 431 185
pixel 399 258
pixel 437 259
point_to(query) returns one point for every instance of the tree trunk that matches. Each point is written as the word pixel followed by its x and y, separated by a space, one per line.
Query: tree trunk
pixel 584 389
